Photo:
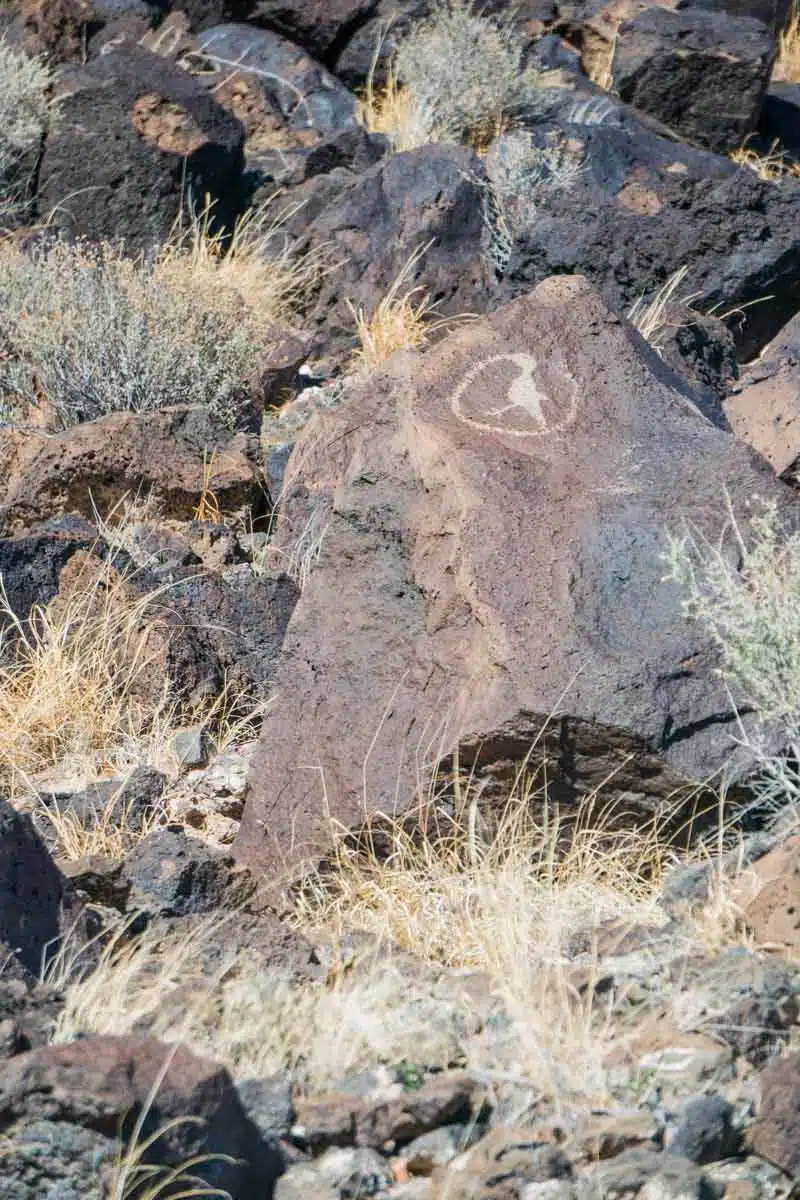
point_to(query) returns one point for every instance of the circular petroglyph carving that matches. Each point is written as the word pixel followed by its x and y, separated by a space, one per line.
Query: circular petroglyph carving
pixel 500 394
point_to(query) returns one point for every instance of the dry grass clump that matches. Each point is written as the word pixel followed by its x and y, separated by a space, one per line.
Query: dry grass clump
pixel 652 318
pixel 85 331
pixel 404 319
pixel 25 111
pixel 76 681
pixel 392 110
pixel 457 76
pixel 787 67
pixel 506 901
pixel 83 697
pixel 257 1022
pixel 771 166
pixel 746 592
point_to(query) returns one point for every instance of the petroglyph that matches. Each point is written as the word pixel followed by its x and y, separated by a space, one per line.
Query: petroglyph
pixel 524 412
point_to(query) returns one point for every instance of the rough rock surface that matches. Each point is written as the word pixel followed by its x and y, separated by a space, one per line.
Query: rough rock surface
pixel 101 1084
pixel 319 25
pixel 31 892
pixel 426 200
pixel 31 563
pixel 702 73
pixel 776 1134
pixel 135 134
pixel 493 514
pixel 89 468
pixel 768 894
pixel 285 100
pixel 764 405
pixel 642 207
pixel 170 874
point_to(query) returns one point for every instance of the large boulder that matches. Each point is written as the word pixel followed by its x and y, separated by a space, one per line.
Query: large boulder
pixel 101 1086
pixel 703 73
pixel 429 201
pixel 489 525
pixel 286 101
pixel 136 135
pixel 89 468
pixel 641 207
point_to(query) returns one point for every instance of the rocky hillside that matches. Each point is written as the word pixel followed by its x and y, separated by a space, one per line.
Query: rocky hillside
pixel 400 599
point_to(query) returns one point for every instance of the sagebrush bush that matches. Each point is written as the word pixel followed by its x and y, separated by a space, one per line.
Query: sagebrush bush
pixel 458 76
pixel 746 592
pixel 88 331
pixel 25 107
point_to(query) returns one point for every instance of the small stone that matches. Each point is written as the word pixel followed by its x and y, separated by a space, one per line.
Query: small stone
pixel 192 747
pixel 437 1148
pixel 776 1134
pixel 354 1172
pixel 549 1189
pixel 647 1175
pixel 706 1131
pixel 268 1104
pixel 501 1165
pixel 302 1182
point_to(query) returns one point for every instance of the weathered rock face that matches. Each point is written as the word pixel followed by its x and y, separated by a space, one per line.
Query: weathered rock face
pixel 429 199
pixel 286 101
pixel 96 464
pixel 780 117
pixel 764 407
pixel 31 892
pixel 486 553
pixel 135 132
pixel 776 1135
pixel 702 73
pixel 317 24
pixel 30 564
pixel 642 207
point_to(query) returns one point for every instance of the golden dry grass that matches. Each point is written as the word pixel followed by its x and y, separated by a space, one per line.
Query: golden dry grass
pixel 404 319
pixel 771 166
pixel 257 1022
pixel 496 902
pixel 83 697
pixel 257 263
pixel 787 67
pixel 391 110
pixel 505 901
pixel 70 681
pixel 652 319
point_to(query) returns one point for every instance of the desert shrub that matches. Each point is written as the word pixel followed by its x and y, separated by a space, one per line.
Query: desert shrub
pixel 746 591
pixel 25 105
pixel 518 173
pixel 458 76
pixel 88 331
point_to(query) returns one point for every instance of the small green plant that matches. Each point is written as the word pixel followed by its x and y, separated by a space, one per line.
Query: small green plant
pixel 746 592
pixel 410 1075
pixel 25 110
